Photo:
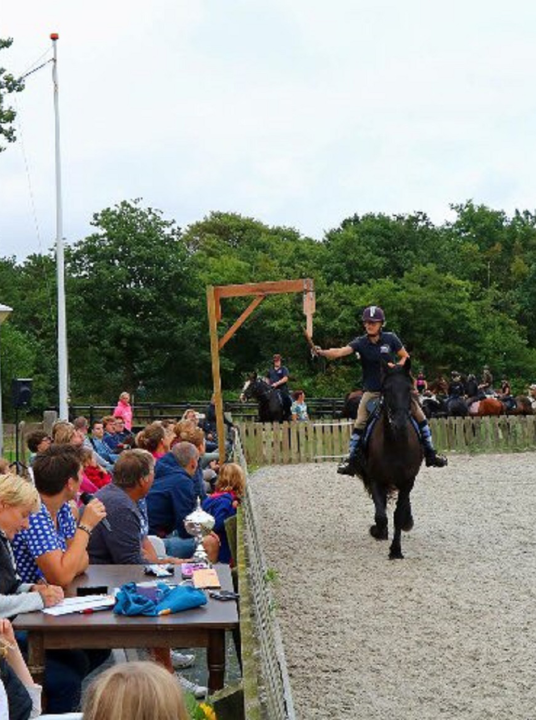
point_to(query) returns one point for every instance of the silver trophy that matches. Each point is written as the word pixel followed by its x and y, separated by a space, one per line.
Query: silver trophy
pixel 199 524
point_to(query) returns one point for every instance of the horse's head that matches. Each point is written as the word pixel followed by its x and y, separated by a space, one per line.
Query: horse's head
pixel 254 387
pixel 247 390
pixel 397 387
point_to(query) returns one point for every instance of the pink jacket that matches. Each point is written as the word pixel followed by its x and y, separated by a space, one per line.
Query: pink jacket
pixel 124 410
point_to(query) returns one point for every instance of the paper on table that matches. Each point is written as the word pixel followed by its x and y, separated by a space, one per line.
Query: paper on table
pixel 79 604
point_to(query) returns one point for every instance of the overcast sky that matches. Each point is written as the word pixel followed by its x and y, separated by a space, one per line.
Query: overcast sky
pixel 295 112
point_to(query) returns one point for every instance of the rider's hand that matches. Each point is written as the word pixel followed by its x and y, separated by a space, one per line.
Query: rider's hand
pixel 318 350
pixel 94 512
pixel 50 594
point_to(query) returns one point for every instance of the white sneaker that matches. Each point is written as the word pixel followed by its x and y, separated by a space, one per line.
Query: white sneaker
pixel 198 691
pixel 181 661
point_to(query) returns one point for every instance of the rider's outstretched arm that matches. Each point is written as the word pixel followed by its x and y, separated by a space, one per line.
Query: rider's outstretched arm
pixel 334 353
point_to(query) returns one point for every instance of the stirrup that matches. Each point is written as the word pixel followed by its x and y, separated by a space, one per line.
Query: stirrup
pixel 347 467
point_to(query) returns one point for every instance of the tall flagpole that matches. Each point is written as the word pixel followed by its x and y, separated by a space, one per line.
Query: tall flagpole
pixel 60 264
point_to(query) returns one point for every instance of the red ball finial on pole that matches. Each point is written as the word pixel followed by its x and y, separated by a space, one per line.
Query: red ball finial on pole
pixel 54 36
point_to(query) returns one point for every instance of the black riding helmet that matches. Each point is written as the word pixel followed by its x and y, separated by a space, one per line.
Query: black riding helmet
pixel 373 313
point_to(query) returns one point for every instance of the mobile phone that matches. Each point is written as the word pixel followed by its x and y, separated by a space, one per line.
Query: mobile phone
pixel 96 590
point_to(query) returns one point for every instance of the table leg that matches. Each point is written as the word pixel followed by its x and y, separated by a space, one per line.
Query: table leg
pixel 36 656
pixel 216 660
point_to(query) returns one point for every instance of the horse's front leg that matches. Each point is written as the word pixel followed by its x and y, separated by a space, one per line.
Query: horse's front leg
pixel 403 521
pixel 379 530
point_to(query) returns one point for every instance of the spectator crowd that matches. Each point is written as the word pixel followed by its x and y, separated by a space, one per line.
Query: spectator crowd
pixel 105 495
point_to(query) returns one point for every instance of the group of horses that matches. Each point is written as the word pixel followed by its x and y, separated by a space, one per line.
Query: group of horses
pixel 440 406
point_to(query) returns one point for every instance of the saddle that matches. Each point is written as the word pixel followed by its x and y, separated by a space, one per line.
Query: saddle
pixel 375 407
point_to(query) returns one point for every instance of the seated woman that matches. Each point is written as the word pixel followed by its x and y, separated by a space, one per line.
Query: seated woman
pixel 64 669
pixel 187 431
pixel 154 439
pixel 223 503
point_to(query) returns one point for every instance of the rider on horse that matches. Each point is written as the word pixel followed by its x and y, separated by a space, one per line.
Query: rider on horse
pixel 278 376
pixel 373 347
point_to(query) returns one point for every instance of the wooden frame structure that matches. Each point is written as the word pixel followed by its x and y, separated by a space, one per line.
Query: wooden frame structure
pixel 259 291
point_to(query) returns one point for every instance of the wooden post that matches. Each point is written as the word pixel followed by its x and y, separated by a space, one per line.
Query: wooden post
pixel 259 291
pixel 215 353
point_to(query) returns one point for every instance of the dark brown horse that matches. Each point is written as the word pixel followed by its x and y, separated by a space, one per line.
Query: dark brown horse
pixel 523 406
pixel 394 457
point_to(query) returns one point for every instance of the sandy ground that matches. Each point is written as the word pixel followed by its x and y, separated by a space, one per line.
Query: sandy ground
pixel 448 632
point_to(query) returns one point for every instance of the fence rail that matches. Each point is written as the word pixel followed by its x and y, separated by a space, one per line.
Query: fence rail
pixel 269 695
pixel 288 443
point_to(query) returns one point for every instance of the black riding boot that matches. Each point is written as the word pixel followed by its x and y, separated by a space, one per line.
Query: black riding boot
pixel 352 464
pixel 431 457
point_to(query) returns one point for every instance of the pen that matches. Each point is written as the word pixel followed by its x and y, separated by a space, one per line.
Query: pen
pixel 90 611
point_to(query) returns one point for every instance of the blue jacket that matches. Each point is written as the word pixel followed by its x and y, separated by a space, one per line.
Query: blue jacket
pixel 172 497
pixel 220 506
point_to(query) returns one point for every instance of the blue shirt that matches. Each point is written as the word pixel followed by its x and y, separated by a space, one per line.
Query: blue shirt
pixel 371 356
pixel 40 538
pixel 277 374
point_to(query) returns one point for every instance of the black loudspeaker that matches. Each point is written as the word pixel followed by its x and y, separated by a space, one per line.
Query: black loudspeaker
pixel 21 392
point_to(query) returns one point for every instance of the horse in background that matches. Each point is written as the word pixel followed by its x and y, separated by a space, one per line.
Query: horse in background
pixel 394 456
pixel 523 406
pixel 456 407
pixel 487 406
pixel 271 406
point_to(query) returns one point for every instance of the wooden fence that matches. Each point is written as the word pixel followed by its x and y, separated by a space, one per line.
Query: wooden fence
pixel 327 441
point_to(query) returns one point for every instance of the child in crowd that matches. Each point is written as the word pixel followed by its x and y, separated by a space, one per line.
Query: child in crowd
pixel 141 690
pixel 95 476
pixel 224 501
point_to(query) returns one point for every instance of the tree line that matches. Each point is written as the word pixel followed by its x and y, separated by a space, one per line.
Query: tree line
pixel 460 295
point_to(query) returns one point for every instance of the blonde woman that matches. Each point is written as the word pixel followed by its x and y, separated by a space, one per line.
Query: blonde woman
pixel 140 690
pixel 18 500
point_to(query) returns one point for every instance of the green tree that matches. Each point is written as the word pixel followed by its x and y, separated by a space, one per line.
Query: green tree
pixel 131 309
pixel 8 84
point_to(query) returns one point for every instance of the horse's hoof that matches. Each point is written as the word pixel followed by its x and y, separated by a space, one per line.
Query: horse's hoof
pixel 395 554
pixel 408 525
pixel 378 533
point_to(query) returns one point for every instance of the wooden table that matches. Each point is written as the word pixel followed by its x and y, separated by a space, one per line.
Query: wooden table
pixel 204 626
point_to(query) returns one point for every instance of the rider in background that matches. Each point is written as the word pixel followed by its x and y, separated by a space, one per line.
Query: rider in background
pixel 456 386
pixel 421 386
pixel 486 385
pixel 371 348
pixel 506 390
pixel 278 376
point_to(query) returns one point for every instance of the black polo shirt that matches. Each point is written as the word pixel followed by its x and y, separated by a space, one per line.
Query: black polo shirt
pixel 371 355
